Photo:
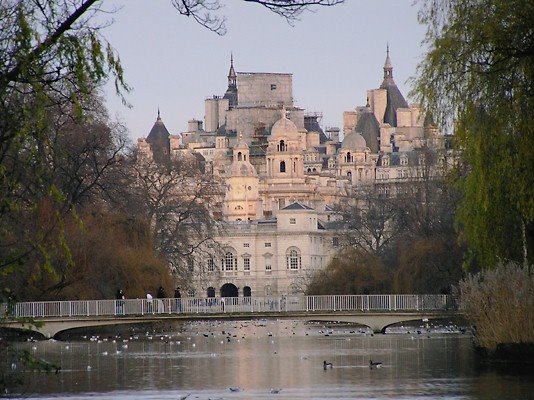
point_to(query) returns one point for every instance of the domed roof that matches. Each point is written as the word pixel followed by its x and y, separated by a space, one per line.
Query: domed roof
pixel 285 127
pixel 354 141
pixel 241 143
pixel 242 168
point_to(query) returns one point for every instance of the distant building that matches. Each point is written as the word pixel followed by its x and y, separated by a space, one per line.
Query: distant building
pixel 283 173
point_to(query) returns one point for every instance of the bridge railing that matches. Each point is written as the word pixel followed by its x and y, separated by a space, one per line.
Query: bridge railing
pixel 289 303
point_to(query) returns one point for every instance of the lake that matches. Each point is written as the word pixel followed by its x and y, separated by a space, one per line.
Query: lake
pixel 269 359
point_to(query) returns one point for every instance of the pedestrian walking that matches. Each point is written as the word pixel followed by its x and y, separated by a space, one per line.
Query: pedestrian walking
pixel 178 299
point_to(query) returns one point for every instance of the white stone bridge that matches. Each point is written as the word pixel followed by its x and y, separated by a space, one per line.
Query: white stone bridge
pixel 375 311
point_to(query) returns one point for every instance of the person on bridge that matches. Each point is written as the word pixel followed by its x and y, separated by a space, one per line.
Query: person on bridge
pixel 161 296
pixel 149 303
pixel 178 299
pixel 119 296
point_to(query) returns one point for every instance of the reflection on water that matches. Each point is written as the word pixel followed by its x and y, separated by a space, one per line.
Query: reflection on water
pixel 202 360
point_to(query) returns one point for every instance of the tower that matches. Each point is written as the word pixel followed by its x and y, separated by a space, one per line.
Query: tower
pixel 394 98
pixel 242 182
pixel 231 92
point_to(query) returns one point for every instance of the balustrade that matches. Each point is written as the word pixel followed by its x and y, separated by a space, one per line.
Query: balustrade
pixel 255 305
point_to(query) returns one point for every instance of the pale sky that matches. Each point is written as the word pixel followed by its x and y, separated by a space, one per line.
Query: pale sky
pixel 334 54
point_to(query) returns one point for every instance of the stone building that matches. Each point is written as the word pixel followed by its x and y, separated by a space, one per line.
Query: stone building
pixel 283 173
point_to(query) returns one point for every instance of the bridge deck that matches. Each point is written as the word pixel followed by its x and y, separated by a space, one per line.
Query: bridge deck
pixel 374 311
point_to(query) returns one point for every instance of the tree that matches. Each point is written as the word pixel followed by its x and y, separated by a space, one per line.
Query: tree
pixel 51 61
pixel 353 271
pixel 477 79
pixel 205 11
pixel 178 198
pixel 368 221
pixel 106 251
pixel 428 264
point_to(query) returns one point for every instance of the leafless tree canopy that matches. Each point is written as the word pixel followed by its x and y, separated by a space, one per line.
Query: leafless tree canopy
pixel 207 12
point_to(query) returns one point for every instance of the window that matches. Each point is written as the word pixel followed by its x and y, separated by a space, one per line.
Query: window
pixel 335 241
pixel 273 86
pixel 267 244
pixel 229 262
pixel 268 265
pixel 292 221
pixel 246 264
pixel 282 146
pixel 268 290
pixel 246 244
pixel 282 166
pixel 211 265
pixel 293 259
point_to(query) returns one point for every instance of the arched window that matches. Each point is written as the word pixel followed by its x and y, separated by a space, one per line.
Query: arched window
pixel 293 259
pixel 282 166
pixel 229 261
pixel 349 175
pixel 348 157
pixel 239 156
pixel 282 146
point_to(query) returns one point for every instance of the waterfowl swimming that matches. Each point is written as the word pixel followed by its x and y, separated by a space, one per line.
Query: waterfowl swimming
pixel 374 365
pixel 327 365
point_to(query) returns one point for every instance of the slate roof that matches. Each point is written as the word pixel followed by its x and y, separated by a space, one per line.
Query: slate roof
pixel 312 125
pixel 395 99
pixel 297 206
pixel 368 127
pixel 158 133
pixel 159 140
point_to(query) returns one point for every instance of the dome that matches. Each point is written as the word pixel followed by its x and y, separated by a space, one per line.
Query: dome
pixel 354 141
pixel 285 128
pixel 242 168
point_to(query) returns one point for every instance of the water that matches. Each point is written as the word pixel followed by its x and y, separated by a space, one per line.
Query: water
pixel 203 360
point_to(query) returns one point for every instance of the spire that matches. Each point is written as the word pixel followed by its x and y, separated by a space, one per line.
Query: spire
pixel 388 67
pixel 231 74
pixel 159 117
pixel 231 92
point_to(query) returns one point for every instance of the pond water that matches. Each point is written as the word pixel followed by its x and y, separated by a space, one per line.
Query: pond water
pixel 269 359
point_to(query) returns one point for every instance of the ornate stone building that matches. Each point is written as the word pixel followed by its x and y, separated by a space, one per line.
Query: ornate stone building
pixel 282 174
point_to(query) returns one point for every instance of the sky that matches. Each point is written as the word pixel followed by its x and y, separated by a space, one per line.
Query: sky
pixel 334 53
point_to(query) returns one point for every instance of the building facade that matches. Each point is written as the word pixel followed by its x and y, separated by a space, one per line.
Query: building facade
pixel 283 174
